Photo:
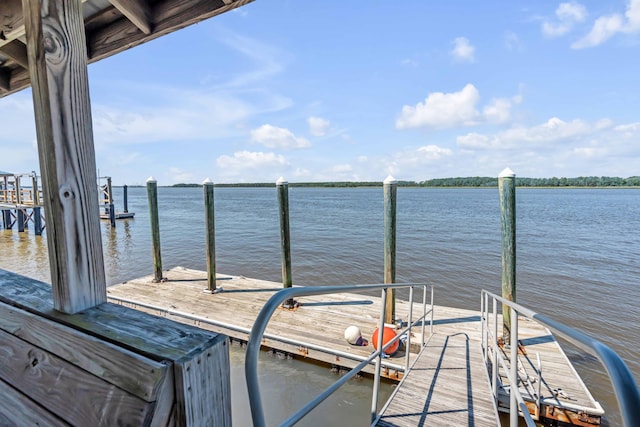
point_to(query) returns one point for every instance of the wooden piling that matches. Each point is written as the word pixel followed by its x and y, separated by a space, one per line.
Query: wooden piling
pixel 152 195
pixel 390 189
pixel 37 221
pixel 36 193
pixel 125 196
pixel 507 191
pixel 285 240
pixel 112 211
pixel 211 234
pixel 20 219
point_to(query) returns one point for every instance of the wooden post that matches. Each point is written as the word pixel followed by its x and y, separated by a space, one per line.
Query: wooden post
pixel 37 221
pixel 211 234
pixel 112 211
pixel 390 187
pixel 57 54
pixel 507 190
pixel 152 195
pixel 285 241
pixel 125 196
pixel 20 219
pixel 36 193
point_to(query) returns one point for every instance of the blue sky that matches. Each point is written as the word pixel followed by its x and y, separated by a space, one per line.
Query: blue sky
pixel 319 91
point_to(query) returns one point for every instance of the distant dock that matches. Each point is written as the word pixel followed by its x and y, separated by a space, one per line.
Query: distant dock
pixel 450 372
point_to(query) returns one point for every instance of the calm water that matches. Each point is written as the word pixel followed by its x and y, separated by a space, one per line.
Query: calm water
pixel 577 260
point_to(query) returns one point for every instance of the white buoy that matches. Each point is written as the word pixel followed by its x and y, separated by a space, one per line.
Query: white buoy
pixel 351 334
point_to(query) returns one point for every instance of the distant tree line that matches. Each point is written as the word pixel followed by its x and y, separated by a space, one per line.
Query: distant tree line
pixel 472 181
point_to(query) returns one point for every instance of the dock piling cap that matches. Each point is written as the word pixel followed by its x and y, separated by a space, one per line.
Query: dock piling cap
pixel 390 180
pixel 207 181
pixel 281 181
pixel 151 179
pixel 506 173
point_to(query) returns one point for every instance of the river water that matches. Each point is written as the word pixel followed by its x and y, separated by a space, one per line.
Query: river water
pixel 578 254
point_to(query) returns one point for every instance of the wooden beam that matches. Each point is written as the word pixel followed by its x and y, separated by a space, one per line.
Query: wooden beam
pixel 136 11
pixel 4 81
pixel 17 51
pixel 168 16
pixel 11 21
pixel 58 69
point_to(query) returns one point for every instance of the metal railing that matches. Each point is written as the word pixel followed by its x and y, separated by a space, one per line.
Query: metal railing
pixel 259 326
pixel 624 384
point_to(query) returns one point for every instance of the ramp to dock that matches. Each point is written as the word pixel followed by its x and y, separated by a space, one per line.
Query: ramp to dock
pixel 448 386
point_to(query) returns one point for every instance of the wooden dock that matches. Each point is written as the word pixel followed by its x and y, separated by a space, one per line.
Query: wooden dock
pixel 433 391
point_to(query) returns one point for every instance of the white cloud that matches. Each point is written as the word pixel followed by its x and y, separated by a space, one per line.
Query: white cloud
pixel 275 137
pixel 242 160
pixel 446 110
pixel 177 175
pixel 607 26
pixel 433 152
pixel 463 50
pixel 318 126
pixel 512 42
pixel 341 169
pixel 567 15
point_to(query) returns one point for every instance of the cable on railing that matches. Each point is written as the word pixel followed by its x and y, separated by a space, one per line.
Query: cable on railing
pixel 624 384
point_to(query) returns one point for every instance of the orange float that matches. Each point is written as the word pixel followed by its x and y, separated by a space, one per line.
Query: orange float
pixel 387 335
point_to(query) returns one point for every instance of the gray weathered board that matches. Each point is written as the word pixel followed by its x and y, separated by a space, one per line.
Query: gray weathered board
pixel 321 320
pixel 108 365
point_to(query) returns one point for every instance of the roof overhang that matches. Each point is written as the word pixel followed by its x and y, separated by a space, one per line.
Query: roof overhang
pixel 111 26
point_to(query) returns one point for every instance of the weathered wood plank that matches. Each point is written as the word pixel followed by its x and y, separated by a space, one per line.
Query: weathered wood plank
pixel 11 21
pixel 127 370
pixel 58 69
pixel 17 409
pixel 155 337
pixel 136 11
pixel 53 383
pixel 5 81
pixel 168 16
pixel 198 404
pixel 17 51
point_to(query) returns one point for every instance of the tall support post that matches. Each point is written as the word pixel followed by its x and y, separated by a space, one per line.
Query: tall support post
pixel 57 55
pixel 152 195
pixel 36 192
pixel 125 197
pixel 112 211
pixel 285 240
pixel 390 189
pixel 20 219
pixel 37 221
pixel 507 190
pixel 207 185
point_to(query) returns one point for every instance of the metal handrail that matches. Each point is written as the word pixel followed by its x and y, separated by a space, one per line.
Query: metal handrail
pixel 624 384
pixel 276 300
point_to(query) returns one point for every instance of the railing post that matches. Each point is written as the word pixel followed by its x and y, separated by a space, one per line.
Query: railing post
pixel 507 190
pixel 211 234
pixel 513 404
pixel 408 340
pixel 390 187
pixel 285 242
pixel 494 345
pixel 376 377
pixel 112 211
pixel 152 195
pixel 424 314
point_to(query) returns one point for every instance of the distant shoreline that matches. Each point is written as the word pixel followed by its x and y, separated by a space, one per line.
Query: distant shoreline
pixel 466 182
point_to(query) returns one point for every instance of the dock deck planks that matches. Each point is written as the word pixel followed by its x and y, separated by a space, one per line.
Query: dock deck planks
pixel 321 321
pixel 448 386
